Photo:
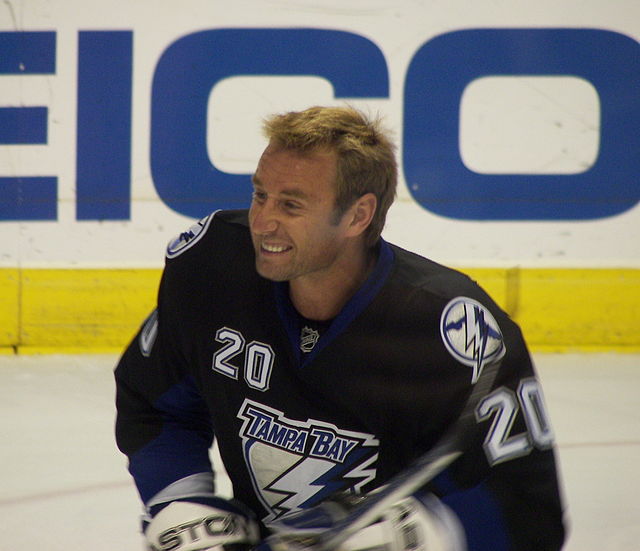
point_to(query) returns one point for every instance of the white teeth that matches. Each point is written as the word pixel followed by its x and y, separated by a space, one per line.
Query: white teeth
pixel 274 248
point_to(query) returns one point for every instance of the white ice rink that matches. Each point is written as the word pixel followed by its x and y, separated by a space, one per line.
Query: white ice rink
pixel 64 485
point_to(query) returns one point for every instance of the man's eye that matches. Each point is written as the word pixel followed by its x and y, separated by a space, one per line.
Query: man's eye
pixel 259 196
pixel 290 205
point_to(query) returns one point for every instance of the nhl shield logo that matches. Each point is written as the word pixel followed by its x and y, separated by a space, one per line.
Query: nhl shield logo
pixel 308 339
pixel 471 334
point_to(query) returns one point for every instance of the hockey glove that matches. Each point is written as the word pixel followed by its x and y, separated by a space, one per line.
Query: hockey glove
pixel 411 524
pixel 204 523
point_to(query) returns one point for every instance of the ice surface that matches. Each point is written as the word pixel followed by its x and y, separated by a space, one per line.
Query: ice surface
pixel 64 485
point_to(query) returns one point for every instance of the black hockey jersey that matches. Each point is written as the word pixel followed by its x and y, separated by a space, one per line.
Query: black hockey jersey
pixel 299 414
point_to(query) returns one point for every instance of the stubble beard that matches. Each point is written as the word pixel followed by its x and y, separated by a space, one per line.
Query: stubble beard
pixel 271 270
pixel 294 268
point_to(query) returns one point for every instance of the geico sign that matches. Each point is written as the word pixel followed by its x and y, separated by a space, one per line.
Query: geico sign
pixel 190 67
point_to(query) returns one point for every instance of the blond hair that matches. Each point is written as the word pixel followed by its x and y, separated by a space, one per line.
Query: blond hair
pixel 366 155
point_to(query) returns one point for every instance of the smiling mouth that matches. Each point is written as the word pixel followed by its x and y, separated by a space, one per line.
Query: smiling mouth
pixel 274 248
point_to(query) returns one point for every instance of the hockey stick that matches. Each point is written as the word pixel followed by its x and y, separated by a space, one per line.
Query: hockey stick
pixel 451 446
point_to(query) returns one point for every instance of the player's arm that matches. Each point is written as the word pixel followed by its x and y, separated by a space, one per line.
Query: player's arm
pixel 162 423
pixel 163 426
pixel 505 489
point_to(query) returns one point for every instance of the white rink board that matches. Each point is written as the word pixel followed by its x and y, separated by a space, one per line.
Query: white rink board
pixel 524 126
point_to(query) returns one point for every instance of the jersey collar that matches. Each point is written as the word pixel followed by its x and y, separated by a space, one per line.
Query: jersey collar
pixel 356 304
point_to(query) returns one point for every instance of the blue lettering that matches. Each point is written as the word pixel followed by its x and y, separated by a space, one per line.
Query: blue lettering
pixel 183 174
pixel 292 436
pixel 259 420
pixel 444 66
pixel 345 448
pixel 23 125
pixel 265 428
pixel 263 431
pixel 328 445
pixel 297 445
pixel 334 450
pixel 27 197
pixel 188 182
pixel 103 162
pixel 322 442
pixel 277 434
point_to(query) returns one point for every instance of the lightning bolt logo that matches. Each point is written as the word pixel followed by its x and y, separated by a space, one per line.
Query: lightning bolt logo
pixel 189 238
pixel 471 334
pixel 300 496
pixel 294 465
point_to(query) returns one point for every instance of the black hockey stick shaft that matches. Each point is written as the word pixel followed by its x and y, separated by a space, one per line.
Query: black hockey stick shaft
pixel 451 446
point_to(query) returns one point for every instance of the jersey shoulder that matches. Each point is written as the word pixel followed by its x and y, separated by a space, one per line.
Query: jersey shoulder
pixel 422 274
pixel 217 248
pixel 444 289
pixel 465 314
pixel 218 227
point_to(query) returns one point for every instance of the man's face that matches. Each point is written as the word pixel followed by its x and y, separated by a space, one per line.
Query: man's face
pixel 295 230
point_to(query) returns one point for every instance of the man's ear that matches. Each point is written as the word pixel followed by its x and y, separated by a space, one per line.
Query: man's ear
pixel 361 213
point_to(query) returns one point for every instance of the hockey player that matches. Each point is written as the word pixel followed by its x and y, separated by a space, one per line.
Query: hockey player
pixel 324 360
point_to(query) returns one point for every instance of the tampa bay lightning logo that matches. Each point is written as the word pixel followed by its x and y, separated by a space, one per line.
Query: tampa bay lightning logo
pixel 471 334
pixel 189 238
pixel 295 465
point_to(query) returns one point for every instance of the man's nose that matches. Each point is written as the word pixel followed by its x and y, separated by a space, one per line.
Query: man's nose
pixel 265 219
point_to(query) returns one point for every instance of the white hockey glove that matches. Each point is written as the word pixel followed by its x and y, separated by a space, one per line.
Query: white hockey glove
pixel 202 524
pixel 411 524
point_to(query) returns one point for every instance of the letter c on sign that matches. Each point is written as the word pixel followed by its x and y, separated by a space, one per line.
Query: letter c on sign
pixel 183 174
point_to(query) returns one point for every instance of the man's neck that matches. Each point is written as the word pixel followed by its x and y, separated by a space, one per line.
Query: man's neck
pixel 323 298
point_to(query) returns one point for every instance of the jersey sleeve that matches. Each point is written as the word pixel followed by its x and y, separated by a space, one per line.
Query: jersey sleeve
pixel 162 424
